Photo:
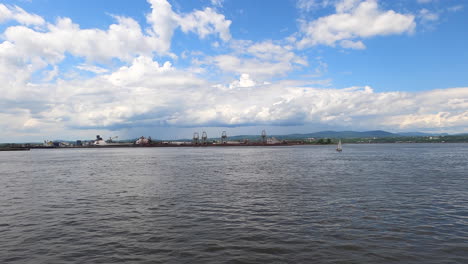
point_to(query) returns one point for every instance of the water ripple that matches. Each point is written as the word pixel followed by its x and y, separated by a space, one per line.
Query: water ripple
pixel 306 204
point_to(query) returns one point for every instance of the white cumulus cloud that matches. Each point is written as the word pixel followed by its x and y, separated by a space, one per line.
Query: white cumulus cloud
pixel 123 40
pixel 354 20
pixel 261 60
pixel 18 14
pixel 202 22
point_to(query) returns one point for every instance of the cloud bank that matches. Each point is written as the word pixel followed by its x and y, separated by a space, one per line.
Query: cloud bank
pixel 148 93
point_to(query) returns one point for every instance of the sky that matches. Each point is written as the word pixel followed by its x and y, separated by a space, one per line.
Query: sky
pixel 167 68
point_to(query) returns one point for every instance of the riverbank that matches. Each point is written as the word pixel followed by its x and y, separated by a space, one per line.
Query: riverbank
pixel 14 149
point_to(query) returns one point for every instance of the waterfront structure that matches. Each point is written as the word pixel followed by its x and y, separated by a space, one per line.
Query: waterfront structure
pixel 196 138
pixel 99 141
pixel 273 140
pixel 204 138
pixel 142 141
pixel 223 137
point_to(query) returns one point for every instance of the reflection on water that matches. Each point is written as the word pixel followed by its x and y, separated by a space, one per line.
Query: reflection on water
pixel 403 203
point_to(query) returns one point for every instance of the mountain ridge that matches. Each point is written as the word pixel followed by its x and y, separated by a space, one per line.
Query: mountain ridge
pixel 340 134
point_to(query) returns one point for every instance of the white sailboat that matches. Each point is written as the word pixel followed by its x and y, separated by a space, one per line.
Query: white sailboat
pixel 339 148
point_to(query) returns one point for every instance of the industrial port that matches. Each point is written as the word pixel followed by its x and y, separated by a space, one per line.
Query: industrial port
pixel 261 139
pixel 196 141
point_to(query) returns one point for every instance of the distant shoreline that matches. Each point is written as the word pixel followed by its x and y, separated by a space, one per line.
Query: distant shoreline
pixel 210 145
pixel 321 138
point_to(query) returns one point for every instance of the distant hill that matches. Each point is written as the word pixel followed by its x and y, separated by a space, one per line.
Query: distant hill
pixel 421 134
pixel 340 134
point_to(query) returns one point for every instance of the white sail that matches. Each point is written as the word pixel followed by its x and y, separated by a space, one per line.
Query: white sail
pixel 339 148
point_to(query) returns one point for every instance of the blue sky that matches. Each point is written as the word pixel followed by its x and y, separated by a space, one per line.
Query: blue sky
pixel 73 69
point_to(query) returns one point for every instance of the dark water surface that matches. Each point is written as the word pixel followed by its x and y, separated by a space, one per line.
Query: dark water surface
pixel 405 203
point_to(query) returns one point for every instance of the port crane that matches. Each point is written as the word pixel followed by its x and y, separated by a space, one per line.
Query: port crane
pixel 196 138
pixel 224 137
pixel 204 138
pixel 110 140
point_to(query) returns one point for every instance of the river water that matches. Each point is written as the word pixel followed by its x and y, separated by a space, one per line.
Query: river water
pixel 385 203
